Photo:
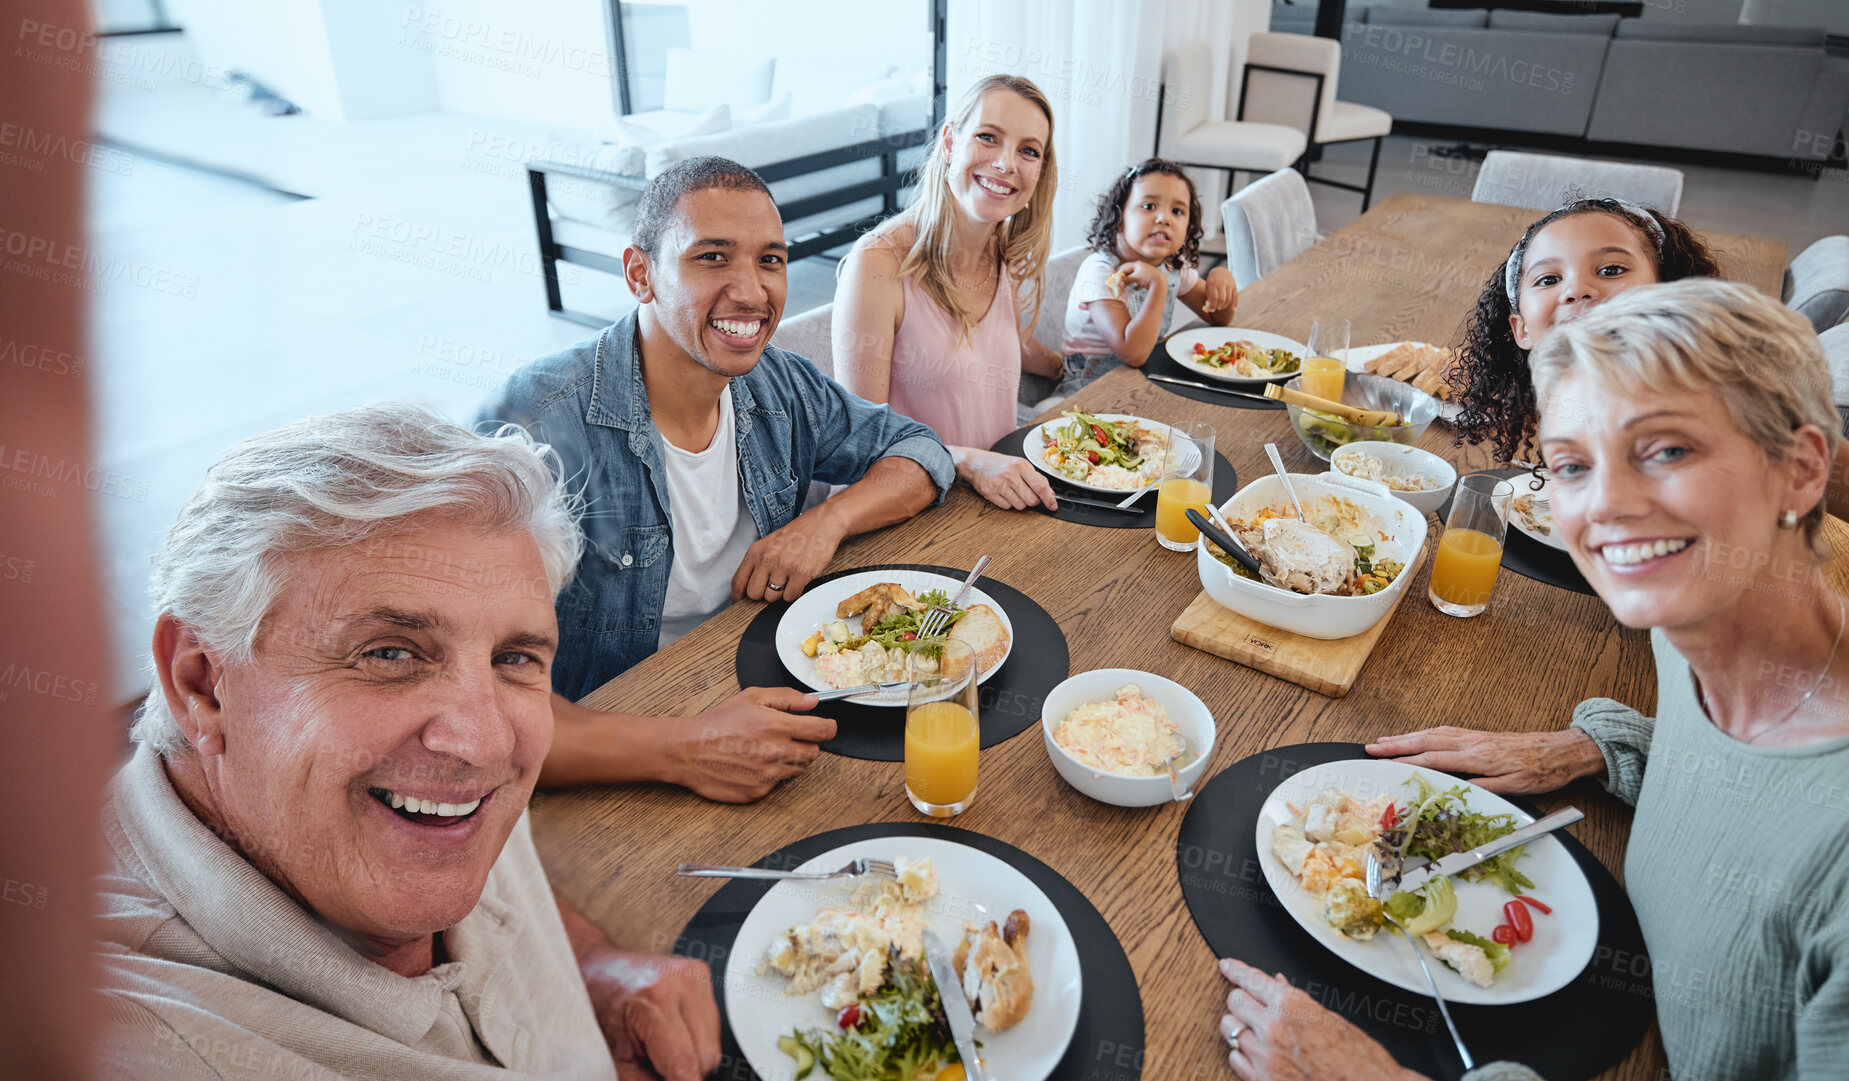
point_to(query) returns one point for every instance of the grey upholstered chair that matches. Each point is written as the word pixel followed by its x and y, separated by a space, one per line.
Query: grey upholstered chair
pixel 809 335
pixel 1544 181
pixel 1817 283
pixel 1268 222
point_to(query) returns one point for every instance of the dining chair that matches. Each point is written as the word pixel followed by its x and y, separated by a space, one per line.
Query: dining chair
pixel 1546 181
pixel 1187 136
pixel 1817 283
pixel 809 335
pixel 1836 353
pixel 1268 223
pixel 1278 69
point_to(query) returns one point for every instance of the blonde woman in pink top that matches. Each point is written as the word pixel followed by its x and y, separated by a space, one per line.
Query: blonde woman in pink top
pixel 927 316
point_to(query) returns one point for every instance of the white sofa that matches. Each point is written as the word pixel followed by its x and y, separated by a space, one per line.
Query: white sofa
pixel 837 157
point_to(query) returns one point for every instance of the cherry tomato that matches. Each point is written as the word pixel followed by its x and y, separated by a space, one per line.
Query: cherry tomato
pixel 910 635
pixel 1536 904
pixel 1199 348
pixel 1519 919
pixel 1093 455
pixel 1504 934
pixel 850 1016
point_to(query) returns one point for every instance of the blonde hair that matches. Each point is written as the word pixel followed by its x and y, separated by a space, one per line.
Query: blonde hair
pixel 1024 238
pixel 1759 358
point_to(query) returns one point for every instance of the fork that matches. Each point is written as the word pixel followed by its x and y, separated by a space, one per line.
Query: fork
pixel 938 617
pixel 1374 890
pixel 862 868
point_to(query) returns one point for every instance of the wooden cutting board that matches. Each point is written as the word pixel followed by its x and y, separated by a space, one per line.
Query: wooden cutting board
pixel 1323 665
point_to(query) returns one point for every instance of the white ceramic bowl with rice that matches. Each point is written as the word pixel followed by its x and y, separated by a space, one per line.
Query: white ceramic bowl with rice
pixel 1193 721
pixel 1316 615
pixel 1397 461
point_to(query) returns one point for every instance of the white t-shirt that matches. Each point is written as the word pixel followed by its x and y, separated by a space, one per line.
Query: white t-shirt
pixel 711 525
pixel 1082 335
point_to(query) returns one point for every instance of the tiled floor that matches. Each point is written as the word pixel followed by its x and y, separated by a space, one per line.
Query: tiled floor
pixel 240 307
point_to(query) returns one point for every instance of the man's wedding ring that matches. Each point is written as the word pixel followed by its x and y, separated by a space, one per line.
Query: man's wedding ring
pixel 775 589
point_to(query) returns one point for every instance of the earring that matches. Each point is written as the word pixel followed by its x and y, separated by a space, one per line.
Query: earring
pixel 1787 519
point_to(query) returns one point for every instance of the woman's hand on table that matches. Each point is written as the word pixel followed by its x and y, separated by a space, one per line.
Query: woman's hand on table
pixel 1005 480
pixel 1277 1033
pixel 657 1013
pixel 1507 763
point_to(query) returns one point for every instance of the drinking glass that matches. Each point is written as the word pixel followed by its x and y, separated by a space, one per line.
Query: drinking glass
pixel 1464 570
pixel 1325 369
pixel 941 734
pixel 1187 481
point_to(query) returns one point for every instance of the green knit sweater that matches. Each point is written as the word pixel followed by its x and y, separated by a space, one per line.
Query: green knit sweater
pixel 1738 867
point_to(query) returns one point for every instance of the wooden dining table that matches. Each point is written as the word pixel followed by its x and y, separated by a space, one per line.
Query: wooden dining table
pixel 1408 269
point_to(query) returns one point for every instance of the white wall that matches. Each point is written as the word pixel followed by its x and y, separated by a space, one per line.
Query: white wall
pixel 280 43
pixel 891 31
pixel 539 60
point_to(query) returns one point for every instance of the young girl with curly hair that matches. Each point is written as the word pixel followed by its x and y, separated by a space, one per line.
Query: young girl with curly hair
pixel 1587 251
pixel 1145 240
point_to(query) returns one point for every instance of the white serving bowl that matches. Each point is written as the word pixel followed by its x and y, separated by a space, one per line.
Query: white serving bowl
pixel 1400 461
pixel 1316 616
pixel 1188 712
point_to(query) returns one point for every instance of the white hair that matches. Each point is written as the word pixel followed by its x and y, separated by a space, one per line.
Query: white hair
pixel 333 481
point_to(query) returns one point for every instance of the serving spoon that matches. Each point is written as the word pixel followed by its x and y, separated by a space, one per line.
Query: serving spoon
pixel 1277 463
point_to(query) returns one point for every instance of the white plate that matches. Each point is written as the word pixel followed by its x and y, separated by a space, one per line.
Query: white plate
pixel 1524 485
pixel 817 606
pixel 1563 942
pixel 1033 446
pixel 1361 354
pixel 971 885
pixel 1181 344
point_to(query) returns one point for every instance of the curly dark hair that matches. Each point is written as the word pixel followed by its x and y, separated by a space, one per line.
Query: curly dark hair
pixel 1110 216
pixel 1490 378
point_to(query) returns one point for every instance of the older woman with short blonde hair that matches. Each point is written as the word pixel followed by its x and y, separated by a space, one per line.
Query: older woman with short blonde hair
pixel 1688 430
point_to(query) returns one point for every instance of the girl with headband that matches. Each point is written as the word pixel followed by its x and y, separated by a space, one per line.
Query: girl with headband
pixel 1585 252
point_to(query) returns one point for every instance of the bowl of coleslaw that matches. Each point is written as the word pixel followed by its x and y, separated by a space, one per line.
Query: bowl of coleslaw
pixel 1108 732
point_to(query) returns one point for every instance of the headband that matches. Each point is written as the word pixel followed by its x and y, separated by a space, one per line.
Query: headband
pixel 1512 270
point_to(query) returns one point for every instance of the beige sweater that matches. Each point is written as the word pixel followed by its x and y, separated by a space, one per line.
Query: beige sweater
pixel 211 971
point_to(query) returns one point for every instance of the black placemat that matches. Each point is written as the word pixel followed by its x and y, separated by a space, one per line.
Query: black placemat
pixel 1006 704
pixel 1225 483
pixel 1160 363
pixel 1107 1045
pixel 1578 1031
pixel 1526 556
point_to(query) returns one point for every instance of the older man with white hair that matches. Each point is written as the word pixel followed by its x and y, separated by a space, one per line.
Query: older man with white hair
pixel 321 858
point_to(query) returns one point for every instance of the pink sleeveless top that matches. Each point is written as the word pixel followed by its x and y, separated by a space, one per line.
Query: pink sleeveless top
pixel 962 389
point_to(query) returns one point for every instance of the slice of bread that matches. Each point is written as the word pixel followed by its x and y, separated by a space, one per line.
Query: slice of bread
pixel 983 630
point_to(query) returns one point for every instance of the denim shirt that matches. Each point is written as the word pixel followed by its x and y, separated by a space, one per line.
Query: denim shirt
pixel 588 402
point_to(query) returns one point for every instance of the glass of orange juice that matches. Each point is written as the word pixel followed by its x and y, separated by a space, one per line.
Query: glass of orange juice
pixel 941 734
pixel 1326 368
pixel 1187 481
pixel 1464 570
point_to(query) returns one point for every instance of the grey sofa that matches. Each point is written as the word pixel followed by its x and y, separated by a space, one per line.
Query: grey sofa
pixel 1768 92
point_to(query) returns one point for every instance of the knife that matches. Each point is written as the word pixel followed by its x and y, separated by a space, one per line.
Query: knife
pixel 1216 390
pixel 956 1007
pixel 1094 503
pixel 1459 861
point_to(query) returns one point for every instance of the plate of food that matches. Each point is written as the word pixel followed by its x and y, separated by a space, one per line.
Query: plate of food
pixel 1113 453
pixel 1237 355
pixel 1420 364
pixel 833 971
pixel 858 629
pixel 1532 512
pixel 1516 927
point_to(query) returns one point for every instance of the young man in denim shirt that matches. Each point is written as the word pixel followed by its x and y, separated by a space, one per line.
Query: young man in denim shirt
pixel 694 442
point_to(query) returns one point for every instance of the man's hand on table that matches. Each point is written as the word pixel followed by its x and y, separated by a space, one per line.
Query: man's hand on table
pixel 1277 1033
pixel 788 558
pixel 1507 763
pixel 740 749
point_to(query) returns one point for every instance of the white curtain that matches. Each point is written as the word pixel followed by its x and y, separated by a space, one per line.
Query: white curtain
pixel 1100 64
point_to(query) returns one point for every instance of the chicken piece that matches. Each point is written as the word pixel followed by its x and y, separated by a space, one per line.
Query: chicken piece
pixel 1290 846
pixel 1469 961
pixel 1304 558
pixel 993 967
pixel 858 603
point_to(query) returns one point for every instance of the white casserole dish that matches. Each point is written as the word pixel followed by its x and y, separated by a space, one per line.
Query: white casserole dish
pixel 1316 616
